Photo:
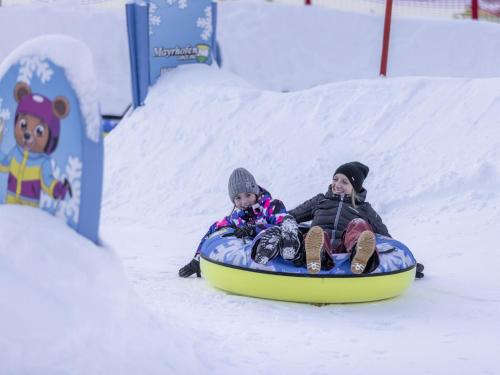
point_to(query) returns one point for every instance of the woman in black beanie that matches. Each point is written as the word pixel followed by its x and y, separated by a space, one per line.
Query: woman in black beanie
pixel 342 221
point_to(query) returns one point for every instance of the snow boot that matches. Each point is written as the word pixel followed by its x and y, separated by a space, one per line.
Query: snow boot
pixel 314 244
pixel 364 250
pixel 269 245
pixel 290 243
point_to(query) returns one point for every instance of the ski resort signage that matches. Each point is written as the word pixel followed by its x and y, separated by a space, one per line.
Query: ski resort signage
pixel 164 34
pixel 51 146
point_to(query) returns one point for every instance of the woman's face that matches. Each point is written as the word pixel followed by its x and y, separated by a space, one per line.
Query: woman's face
pixel 245 200
pixel 341 184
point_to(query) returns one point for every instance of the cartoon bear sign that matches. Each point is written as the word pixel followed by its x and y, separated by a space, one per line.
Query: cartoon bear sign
pixel 37 124
pixel 51 146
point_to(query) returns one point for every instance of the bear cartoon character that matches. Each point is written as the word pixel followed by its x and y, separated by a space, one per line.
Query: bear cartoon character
pixel 37 126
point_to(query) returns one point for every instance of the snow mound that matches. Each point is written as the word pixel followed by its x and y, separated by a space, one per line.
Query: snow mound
pixel 200 123
pixel 67 306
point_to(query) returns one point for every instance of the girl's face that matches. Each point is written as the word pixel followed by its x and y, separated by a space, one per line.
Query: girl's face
pixel 341 184
pixel 245 200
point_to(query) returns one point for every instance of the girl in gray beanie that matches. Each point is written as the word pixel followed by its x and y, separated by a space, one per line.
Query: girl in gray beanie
pixel 254 211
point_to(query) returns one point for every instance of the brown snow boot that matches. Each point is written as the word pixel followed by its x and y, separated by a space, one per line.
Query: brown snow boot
pixel 364 250
pixel 314 244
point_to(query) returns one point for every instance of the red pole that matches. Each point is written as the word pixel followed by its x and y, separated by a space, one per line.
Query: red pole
pixel 308 2
pixel 387 33
pixel 475 9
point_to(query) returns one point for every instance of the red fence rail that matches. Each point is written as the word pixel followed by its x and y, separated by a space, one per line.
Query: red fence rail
pixel 475 9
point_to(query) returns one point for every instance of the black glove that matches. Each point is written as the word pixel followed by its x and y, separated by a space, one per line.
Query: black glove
pixel 191 268
pixel 420 271
pixel 245 231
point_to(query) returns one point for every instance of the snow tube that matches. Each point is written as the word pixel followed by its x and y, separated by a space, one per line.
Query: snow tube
pixel 226 264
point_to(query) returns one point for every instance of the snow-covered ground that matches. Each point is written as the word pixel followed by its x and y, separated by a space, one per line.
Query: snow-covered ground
pixel 432 143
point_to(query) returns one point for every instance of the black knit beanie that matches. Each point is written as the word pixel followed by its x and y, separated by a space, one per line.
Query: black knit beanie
pixel 356 172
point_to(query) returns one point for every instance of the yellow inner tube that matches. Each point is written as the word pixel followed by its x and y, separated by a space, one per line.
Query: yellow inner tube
pixel 306 288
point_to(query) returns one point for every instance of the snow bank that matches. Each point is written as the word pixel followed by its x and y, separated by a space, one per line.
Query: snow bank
pixel 199 123
pixel 67 307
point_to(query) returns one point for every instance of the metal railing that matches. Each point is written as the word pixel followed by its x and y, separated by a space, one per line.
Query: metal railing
pixel 454 9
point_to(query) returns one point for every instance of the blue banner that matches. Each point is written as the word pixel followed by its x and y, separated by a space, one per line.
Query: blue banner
pixel 180 32
pixel 164 34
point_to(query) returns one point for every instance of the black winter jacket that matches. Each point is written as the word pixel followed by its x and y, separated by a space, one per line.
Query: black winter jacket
pixel 332 213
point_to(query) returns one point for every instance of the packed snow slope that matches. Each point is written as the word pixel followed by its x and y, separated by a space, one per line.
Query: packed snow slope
pixel 432 145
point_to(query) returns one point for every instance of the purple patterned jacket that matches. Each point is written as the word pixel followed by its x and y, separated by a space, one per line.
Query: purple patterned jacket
pixel 266 213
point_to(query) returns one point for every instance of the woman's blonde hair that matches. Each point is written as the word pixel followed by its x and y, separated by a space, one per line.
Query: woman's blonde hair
pixel 353 198
pixel 354 195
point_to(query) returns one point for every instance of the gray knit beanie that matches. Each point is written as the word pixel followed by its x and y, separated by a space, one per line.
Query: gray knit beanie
pixel 241 181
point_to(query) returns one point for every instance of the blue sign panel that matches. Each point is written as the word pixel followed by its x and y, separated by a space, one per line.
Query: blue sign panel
pixel 166 33
pixel 51 147
pixel 180 32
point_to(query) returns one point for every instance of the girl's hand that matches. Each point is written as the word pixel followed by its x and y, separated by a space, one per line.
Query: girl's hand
pixel 245 231
pixel 191 268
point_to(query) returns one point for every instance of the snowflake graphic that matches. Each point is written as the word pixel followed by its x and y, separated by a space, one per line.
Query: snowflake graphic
pixel 2 130
pixel 205 24
pixel 4 112
pixel 154 19
pixel 393 261
pixel 69 208
pixel 231 252
pixel 34 64
pixel 4 116
pixel 181 4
